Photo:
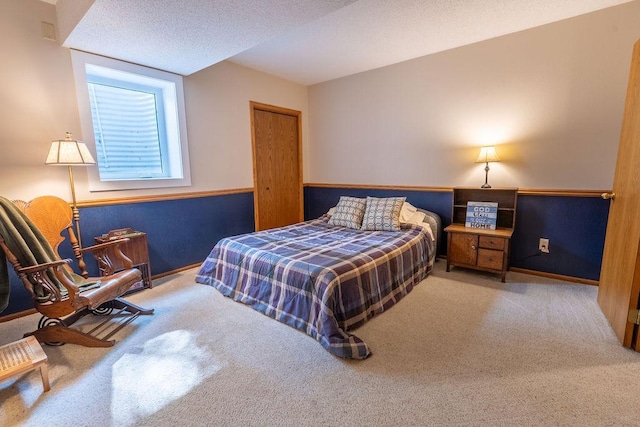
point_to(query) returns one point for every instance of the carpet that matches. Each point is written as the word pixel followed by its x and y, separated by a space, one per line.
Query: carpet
pixel 461 349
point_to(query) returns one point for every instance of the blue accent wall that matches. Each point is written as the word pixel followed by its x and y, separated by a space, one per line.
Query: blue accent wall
pixel 575 226
pixel 182 232
pixel 179 232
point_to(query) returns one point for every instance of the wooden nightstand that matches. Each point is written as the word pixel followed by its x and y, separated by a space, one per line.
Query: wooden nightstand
pixel 135 249
pixel 481 249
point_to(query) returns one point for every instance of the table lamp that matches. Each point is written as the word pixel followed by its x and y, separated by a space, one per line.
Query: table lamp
pixel 487 154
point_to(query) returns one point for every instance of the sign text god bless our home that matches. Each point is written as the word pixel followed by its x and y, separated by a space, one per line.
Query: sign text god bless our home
pixel 482 215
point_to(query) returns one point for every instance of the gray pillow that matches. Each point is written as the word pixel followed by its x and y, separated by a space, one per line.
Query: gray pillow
pixel 348 212
pixel 382 214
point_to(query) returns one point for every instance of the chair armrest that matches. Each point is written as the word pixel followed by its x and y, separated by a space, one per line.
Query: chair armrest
pixel 40 267
pixel 37 274
pixel 104 245
pixel 102 251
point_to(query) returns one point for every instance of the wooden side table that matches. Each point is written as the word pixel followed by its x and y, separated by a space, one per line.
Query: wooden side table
pixel 478 248
pixel 23 356
pixel 135 249
pixel 486 250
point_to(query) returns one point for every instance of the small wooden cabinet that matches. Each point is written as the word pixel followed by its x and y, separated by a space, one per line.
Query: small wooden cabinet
pixel 135 249
pixel 23 356
pixel 481 249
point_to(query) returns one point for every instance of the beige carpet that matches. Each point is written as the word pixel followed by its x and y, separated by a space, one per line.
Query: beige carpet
pixel 461 349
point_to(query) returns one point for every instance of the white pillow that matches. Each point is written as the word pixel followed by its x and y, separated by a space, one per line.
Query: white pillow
pixel 428 229
pixel 421 220
pixel 407 210
pixel 416 218
pixel 331 211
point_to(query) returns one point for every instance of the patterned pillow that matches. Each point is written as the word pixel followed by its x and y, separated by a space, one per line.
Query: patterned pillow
pixel 348 212
pixel 382 214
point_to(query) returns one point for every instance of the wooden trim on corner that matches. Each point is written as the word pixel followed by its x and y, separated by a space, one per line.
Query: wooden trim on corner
pixel 381 187
pixel 521 191
pixel 197 194
pixel 563 193
pixel 554 276
pixel 162 197
pixel 12 316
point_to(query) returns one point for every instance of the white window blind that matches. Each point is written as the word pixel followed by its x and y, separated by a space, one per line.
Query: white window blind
pixel 129 143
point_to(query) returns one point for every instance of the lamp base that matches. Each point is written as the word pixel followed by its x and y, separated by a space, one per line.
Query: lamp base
pixel 486 177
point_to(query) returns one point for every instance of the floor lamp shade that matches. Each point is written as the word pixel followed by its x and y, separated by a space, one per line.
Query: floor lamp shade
pixel 69 152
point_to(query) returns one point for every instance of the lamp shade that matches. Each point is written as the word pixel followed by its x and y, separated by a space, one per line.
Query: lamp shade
pixel 69 152
pixel 488 154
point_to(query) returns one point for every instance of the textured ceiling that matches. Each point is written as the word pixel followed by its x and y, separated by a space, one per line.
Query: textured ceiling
pixel 305 41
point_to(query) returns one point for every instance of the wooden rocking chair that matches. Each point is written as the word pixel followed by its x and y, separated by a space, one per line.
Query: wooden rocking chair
pixel 30 234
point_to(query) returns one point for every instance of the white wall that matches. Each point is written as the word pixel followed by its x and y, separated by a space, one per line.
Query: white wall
pixel 37 101
pixel 219 124
pixel 39 104
pixel 551 98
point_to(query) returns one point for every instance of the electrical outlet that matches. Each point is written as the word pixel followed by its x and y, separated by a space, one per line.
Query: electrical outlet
pixel 543 245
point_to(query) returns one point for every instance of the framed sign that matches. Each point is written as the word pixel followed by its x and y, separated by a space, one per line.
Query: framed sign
pixel 482 215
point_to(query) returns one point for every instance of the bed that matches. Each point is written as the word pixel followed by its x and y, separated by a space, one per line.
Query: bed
pixel 324 278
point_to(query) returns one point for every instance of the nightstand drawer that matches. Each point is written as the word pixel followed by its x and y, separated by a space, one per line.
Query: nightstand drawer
pixel 491 242
pixel 488 258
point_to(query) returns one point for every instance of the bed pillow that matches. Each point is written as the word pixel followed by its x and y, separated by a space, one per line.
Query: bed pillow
pixel 406 212
pixel 348 212
pixel 424 221
pixel 417 218
pixel 382 214
pixel 433 225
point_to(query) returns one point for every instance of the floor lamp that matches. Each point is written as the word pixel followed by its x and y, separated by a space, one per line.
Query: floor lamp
pixel 487 154
pixel 69 152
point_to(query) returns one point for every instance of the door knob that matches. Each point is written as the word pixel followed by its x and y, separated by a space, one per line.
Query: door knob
pixel 606 196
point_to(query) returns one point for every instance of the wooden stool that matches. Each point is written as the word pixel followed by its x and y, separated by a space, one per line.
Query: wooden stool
pixel 23 356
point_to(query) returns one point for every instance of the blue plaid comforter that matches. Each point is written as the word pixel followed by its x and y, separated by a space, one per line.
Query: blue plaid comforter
pixel 321 279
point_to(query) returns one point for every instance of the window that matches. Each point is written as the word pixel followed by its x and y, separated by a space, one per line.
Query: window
pixel 133 119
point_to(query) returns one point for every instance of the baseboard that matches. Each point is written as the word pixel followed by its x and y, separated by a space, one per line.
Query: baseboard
pixel 555 276
pixel 544 274
pixel 177 270
pixel 12 316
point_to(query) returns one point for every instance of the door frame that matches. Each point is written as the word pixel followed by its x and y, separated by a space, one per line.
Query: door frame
pixel 253 106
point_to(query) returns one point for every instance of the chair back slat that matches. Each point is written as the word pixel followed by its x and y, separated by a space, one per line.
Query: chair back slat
pixel 52 216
